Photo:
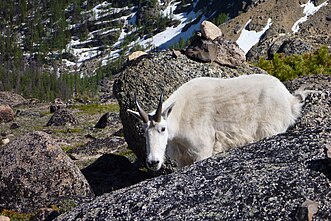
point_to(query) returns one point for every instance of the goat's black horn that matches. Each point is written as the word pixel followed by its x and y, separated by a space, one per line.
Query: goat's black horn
pixel 158 113
pixel 142 113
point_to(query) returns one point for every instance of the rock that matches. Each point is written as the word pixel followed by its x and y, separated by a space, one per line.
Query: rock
pixel 34 101
pixel 62 117
pixel 28 113
pixel 307 210
pixel 160 71
pixel 4 218
pixel 14 126
pixel 4 141
pixel 328 152
pixel 176 53
pixel 111 120
pixel 209 30
pixel 220 51
pixel 314 110
pixel 11 99
pixel 36 173
pixel 103 121
pixel 211 47
pixel 96 148
pixel 136 54
pixel 266 179
pixel 6 113
pixel 237 29
pixel 106 91
pixel 56 105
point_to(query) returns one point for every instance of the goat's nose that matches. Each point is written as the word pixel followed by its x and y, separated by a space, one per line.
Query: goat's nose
pixel 152 163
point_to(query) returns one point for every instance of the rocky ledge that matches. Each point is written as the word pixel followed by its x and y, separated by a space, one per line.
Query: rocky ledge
pixel 284 177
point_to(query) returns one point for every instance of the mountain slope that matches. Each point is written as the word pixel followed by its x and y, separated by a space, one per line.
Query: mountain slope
pixel 89 38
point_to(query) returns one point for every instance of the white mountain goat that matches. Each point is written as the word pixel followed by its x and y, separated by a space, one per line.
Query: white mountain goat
pixel 209 115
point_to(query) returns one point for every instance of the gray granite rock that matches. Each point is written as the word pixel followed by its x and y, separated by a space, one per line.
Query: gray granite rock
pixel 36 173
pixel 11 98
pixel 219 50
pixel 62 117
pixel 6 113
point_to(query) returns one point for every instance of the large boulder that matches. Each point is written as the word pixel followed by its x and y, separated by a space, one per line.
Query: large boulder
pixel 6 113
pixel 103 121
pixel 219 50
pixel 36 173
pixel 160 71
pixel 209 46
pixel 11 99
pixel 209 30
pixel 284 177
pixel 61 117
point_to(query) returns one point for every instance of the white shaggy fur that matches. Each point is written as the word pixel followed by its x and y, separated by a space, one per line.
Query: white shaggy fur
pixel 206 116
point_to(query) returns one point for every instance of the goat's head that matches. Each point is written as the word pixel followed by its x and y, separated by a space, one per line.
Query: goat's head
pixel 156 133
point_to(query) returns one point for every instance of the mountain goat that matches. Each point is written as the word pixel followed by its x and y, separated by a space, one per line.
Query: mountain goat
pixel 209 115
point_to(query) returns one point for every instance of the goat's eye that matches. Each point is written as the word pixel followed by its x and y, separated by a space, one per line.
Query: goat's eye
pixel 163 129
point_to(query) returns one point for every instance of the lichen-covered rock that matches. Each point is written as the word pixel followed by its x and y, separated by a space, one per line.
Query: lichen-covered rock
pixel 36 173
pixel 62 117
pixel 268 180
pixel 6 113
pixel 11 99
pixel 150 75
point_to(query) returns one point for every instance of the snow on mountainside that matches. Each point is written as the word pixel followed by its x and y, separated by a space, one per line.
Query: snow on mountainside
pixel 83 52
pixel 249 38
pixel 309 9
pixel 284 17
pixel 172 34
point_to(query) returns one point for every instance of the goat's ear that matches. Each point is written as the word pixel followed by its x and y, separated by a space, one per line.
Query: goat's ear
pixel 167 111
pixel 135 114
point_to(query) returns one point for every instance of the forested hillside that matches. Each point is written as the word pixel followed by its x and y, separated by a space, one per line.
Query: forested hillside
pixel 33 33
pixel 35 40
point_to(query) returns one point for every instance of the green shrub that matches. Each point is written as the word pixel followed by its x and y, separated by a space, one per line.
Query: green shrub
pixel 220 19
pixel 292 66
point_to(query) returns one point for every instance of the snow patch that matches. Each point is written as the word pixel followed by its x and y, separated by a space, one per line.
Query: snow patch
pixel 248 39
pixel 309 9
pixel 172 34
